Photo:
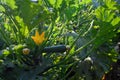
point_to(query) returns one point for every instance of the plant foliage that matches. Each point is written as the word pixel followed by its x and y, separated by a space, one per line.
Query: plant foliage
pixel 90 31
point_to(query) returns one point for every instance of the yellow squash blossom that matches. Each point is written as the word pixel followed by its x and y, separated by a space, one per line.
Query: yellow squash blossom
pixel 38 38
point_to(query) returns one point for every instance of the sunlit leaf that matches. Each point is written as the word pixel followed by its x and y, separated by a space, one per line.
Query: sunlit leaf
pixel 115 21
pixel 11 3
pixel 52 2
pixel 104 14
pixel 86 1
pixel 1 9
pixel 110 4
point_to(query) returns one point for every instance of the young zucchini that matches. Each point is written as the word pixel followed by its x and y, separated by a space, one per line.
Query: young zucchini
pixel 58 48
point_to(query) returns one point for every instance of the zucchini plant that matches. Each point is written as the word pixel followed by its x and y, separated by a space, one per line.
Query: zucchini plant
pixel 57 39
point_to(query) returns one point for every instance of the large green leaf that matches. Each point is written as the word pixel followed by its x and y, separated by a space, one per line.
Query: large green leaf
pixel 111 4
pixel 31 13
pixel 71 11
pixel 104 14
